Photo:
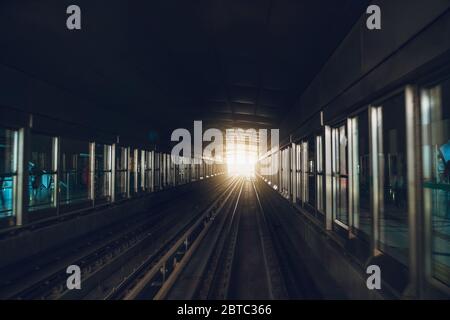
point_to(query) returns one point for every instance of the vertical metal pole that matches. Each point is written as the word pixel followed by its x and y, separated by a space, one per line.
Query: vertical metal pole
pixel 307 168
pixel 376 149
pixel 92 172
pixel 56 168
pixel 128 172
pixel 355 196
pixel 155 170
pixel 280 170
pixel 152 157
pixel 21 183
pixel 328 182
pixel 294 172
pixel 109 169
pixel 350 173
pixel 113 172
pixel 288 172
pixel 318 161
pixel 415 218
pixel 134 170
pixel 374 171
pixel 143 168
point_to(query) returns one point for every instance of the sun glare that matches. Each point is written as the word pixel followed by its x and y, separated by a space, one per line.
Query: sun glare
pixel 241 159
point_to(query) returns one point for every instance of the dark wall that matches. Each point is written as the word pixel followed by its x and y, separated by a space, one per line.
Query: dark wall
pixel 58 111
pixel 85 78
pixel 414 34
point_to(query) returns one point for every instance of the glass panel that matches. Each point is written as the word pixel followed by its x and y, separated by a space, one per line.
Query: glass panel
pixel 311 171
pixel 343 150
pixel 41 173
pixel 283 186
pixel 157 173
pixel 362 175
pixel 164 171
pixel 141 170
pixel 282 155
pixel 286 171
pixel 102 171
pixel 319 161
pixel 394 211
pixel 178 171
pixel 277 160
pixel 8 170
pixel 299 172
pixel 75 173
pixel 305 185
pixel 277 169
pixel 172 170
pixel 342 213
pixel 121 172
pixel 340 177
pixel 436 175
pixel 167 171
pixel 148 169
pixel 133 168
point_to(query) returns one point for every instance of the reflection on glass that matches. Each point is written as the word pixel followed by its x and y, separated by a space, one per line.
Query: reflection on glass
pixel 75 174
pixel 102 171
pixel 311 171
pixel 394 209
pixel 41 173
pixel 8 170
pixel 121 172
pixel 148 170
pixel 276 166
pixel 157 177
pixel 340 174
pixel 164 168
pixel 319 161
pixel 164 171
pixel 362 215
pixel 171 174
pixel 305 186
pixel 298 168
pixel 169 171
pixel 284 171
pixel 287 173
pixel 183 172
pixel 436 174
pixel 133 168
pixel 141 170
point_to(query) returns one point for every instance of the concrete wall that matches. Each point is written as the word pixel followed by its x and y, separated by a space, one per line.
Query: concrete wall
pixel 56 110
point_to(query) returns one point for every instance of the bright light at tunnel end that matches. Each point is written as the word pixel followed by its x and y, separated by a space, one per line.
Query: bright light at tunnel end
pixel 240 151
pixel 242 164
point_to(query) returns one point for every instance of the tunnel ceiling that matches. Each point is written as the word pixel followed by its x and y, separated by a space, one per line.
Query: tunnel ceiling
pixel 160 65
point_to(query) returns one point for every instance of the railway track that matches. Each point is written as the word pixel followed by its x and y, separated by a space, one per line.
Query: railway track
pixel 247 266
pixel 233 246
pixel 99 255
pixel 156 275
pixel 242 254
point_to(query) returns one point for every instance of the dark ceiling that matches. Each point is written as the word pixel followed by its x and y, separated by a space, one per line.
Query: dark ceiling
pixel 162 64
